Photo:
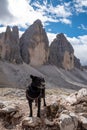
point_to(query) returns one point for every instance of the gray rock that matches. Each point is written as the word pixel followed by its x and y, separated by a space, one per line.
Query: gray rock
pixel 62 53
pixel 2 105
pixel 49 123
pixel 77 63
pixel 34 45
pixel 68 122
pixel 83 121
pixel 31 122
pixel 78 97
pixel 9 45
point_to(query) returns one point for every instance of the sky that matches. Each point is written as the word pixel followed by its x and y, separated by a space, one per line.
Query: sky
pixel 57 16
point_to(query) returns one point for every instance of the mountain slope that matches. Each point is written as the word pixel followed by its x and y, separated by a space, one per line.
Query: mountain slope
pixel 18 76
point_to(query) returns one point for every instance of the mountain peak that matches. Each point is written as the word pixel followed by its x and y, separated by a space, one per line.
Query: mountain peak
pixel 62 52
pixel 60 35
pixel 34 44
pixel 38 21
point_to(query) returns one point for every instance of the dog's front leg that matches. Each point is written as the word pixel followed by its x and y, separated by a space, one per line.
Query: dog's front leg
pixel 39 107
pixel 30 105
pixel 44 101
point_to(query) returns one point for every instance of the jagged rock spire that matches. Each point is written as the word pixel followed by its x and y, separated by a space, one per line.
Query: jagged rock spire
pixel 34 45
pixel 61 52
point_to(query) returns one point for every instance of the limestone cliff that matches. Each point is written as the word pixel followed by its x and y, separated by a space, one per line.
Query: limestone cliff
pixel 9 45
pixel 33 48
pixel 61 53
pixel 34 45
pixel 77 63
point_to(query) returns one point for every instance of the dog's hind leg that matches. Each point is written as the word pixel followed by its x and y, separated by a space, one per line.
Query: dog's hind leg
pixel 39 107
pixel 36 102
pixel 43 96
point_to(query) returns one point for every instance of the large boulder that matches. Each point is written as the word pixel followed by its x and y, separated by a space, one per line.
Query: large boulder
pixel 34 45
pixel 9 45
pixel 68 121
pixel 78 97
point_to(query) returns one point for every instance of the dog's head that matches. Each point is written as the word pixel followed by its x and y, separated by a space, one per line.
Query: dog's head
pixel 38 81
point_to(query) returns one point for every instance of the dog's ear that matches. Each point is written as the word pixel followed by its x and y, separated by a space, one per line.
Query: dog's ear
pixel 31 76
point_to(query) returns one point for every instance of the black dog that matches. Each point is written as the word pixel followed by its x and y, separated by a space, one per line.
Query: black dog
pixel 36 91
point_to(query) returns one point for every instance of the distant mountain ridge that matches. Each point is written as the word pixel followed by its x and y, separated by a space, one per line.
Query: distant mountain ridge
pixel 33 48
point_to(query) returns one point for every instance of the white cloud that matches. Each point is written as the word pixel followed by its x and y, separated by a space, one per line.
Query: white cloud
pixel 59 13
pixel 5 14
pixel 18 12
pixel 74 40
pixel 2 29
pixel 66 21
pixel 80 5
pixel 83 39
pixel 81 52
pixel 22 13
pixel 80 47
pixel 82 27
pixel 51 36
pixel 20 33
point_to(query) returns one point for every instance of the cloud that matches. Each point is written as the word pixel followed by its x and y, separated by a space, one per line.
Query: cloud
pixel 19 13
pixel 51 36
pixel 80 6
pixel 20 33
pixel 83 27
pixel 81 52
pixel 66 21
pixel 59 13
pixel 80 47
pixel 5 14
pixel 23 12
pixel 2 29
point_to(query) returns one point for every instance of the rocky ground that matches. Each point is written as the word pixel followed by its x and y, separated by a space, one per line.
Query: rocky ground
pixel 64 111
pixel 66 105
pixel 15 100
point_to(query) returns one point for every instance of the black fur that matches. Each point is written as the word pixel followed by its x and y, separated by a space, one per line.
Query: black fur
pixel 36 91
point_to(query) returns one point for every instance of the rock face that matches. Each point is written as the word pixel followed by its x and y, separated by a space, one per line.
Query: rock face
pixel 77 63
pixel 61 53
pixel 33 48
pixel 9 45
pixel 34 45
